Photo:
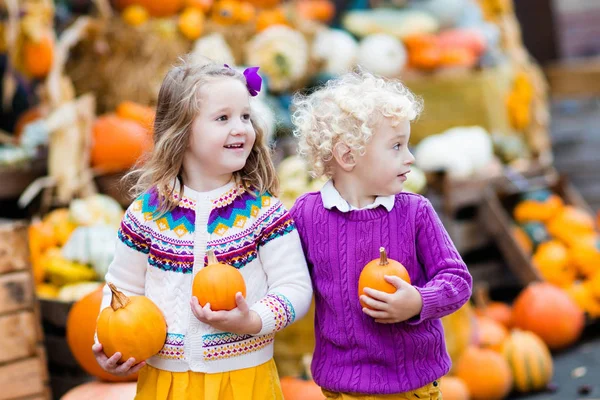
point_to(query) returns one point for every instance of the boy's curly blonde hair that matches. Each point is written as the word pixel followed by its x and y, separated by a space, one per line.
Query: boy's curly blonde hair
pixel 345 110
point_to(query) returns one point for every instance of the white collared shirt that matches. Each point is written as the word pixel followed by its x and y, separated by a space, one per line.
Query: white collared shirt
pixel 332 198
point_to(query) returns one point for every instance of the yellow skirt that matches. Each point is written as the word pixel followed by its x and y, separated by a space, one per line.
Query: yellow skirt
pixel 256 383
pixel 428 392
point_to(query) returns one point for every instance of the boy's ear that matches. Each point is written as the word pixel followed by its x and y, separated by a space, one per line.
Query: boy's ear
pixel 344 157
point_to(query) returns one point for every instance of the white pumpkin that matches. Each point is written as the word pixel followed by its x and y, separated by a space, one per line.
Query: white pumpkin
pixel 96 209
pixel 93 245
pixel 382 54
pixel 398 23
pixel 337 48
pixel 214 47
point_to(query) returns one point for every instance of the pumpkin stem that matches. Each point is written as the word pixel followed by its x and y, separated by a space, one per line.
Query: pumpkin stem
pixel 119 299
pixel 212 258
pixel 383 260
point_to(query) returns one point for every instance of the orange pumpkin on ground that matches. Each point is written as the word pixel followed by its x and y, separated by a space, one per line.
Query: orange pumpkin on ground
pixel 552 260
pixel 372 275
pixel 454 388
pixel 133 326
pixel 549 312
pixel 217 284
pixel 118 143
pixel 102 391
pixel 38 55
pixel 426 58
pixel 156 8
pixel 81 327
pixel 499 312
pixel 486 374
pixel 300 389
pixel 491 334
pixel 529 360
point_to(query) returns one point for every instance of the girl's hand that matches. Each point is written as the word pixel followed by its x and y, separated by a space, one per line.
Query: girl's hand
pixel 389 308
pixel 240 320
pixel 110 364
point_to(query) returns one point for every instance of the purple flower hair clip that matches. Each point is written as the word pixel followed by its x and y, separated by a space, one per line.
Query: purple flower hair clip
pixel 253 80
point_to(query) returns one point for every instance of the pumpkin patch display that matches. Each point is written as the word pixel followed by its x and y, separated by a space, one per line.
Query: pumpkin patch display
pixel 81 327
pixel 529 360
pixel 217 284
pixel 549 312
pixel 491 334
pixel 372 275
pixel 133 326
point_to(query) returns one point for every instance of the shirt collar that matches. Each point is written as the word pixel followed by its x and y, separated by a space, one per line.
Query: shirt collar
pixel 332 199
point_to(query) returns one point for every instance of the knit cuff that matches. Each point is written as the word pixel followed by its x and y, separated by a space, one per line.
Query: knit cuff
pixel 430 296
pixel 266 316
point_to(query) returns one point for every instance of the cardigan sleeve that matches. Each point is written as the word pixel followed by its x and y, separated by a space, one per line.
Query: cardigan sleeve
pixel 289 289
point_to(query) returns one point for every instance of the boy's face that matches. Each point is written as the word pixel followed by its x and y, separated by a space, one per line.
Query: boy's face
pixel 383 168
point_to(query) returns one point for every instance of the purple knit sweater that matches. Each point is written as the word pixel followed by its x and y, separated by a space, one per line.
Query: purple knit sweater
pixel 353 353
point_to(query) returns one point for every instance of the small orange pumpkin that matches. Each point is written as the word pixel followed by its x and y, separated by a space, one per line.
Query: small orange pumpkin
pixel 491 333
pixel 552 260
pixel 486 373
pixel 539 206
pixel 300 389
pixel 317 10
pixel 585 255
pixel 581 293
pixel 38 55
pixel 372 275
pixel 426 58
pixel 217 284
pixel 101 391
pixel 549 312
pixel 570 224
pixel 271 17
pixel 202 5
pixel 118 143
pixel 454 388
pixel 139 113
pixel 191 23
pixel 81 327
pixel 133 326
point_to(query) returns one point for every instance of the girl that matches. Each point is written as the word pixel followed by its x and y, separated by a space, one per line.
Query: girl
pixel 209 184
pixel 355 130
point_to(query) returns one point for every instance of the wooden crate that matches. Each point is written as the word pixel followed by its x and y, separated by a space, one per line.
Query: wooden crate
pixel 23 371
pixel 496 211
pixel 65 372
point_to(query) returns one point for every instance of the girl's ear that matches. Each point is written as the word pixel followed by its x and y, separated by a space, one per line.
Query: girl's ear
pixel 344 157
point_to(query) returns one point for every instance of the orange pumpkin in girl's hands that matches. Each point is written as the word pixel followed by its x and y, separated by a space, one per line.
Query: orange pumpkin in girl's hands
pixel 372 275
pixel 133 326
pixel 217 284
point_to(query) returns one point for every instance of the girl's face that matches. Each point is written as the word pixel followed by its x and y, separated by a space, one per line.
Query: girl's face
pixel 222 134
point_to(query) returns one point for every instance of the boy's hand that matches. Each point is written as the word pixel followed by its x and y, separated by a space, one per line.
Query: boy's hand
pixel 240 320
pixel 111 365
pixel 389 308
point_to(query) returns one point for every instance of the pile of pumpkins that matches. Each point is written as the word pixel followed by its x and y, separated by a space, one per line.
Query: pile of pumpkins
pixel 497 348
pixel 564 244
pixel 190 16
pixel 71 247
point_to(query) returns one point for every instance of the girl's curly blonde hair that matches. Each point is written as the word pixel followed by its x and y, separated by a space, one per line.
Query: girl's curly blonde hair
pixel 345 110
pixel 178 105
